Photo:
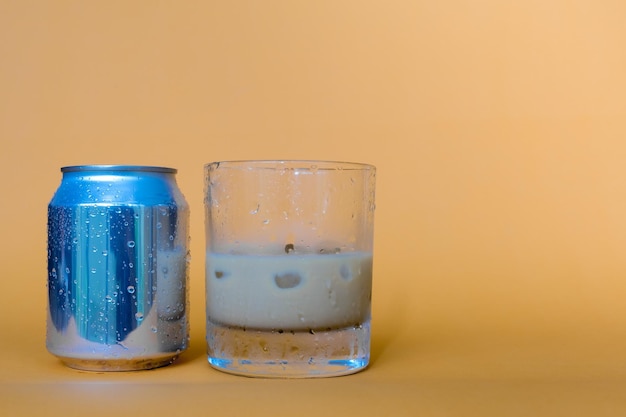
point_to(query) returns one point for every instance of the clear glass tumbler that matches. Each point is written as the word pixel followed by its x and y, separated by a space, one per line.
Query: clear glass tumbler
pixel 289 267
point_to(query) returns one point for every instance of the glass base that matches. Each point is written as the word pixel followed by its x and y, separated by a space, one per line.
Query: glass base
pixel 288 353
pixel 114 365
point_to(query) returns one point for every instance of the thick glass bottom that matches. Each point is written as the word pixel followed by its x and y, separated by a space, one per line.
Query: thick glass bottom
pixel 288 353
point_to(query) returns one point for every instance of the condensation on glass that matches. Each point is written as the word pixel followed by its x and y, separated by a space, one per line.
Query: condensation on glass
pixel 289 267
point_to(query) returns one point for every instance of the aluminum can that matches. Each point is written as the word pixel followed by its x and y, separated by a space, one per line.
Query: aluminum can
pixel 117 268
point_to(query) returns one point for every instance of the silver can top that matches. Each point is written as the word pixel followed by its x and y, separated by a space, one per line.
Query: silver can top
pixel 105 168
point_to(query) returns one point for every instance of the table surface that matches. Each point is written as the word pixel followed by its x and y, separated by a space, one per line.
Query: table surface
pixel 415 370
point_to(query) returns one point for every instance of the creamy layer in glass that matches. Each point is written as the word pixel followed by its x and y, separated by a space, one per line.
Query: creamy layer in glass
pixel 289 291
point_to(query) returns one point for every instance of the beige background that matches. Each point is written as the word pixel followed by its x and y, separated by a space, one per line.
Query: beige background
pixel 499 132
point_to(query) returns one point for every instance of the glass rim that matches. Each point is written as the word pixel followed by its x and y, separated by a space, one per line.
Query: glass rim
pixel 301 164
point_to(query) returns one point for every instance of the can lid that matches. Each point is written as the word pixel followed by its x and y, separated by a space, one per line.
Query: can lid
pixel 106 168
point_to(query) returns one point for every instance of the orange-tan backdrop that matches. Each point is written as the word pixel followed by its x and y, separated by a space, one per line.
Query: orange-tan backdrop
pixel 498 129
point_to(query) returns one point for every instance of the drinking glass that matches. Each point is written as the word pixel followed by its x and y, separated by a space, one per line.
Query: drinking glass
pixel 289 267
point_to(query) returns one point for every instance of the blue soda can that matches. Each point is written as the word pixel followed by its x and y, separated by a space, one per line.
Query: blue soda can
pixel 117 268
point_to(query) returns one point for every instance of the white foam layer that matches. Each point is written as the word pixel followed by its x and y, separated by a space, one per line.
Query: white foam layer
pixel 290 291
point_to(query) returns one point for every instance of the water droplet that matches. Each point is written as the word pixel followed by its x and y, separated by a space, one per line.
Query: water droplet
pixel 327 251
pixel 287 280
pixel 256 210
pixel 345 272
pixel 105 253
pixel 164 270
pixel 154 329
pixel 93 270
pixel 159 225
pixel 130 289
pixel 139 316
pixel 131 243
pixel 171 237
pixel 131 265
